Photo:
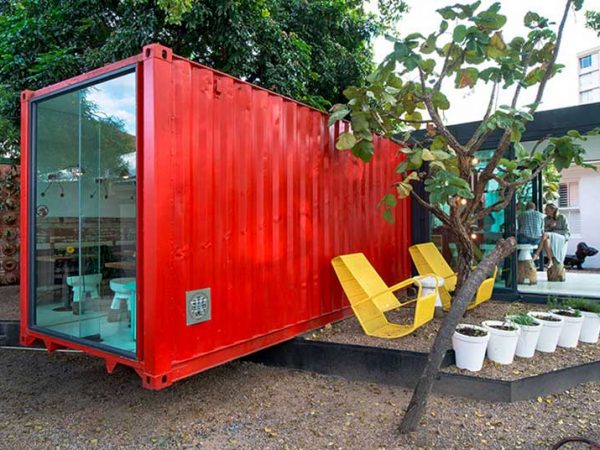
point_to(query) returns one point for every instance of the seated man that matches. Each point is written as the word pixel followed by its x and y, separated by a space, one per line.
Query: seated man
pixel 530 226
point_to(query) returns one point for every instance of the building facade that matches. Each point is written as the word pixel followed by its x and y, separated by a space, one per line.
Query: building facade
pixel 589 76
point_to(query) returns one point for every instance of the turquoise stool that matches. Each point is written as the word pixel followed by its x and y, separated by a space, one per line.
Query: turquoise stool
pixel 124 289
pixel 84 284
pixel 132 286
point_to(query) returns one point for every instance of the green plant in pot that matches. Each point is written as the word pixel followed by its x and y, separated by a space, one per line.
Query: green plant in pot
pixel 590 310
pixel 573 321
pixel 530 333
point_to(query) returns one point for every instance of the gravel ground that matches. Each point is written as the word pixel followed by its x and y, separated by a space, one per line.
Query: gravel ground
pixel 9 302
pixel 349 332
pixel 67 401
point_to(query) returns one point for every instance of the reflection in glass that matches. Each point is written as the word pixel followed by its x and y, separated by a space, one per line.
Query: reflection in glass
pixel 85 226
pixel 484 235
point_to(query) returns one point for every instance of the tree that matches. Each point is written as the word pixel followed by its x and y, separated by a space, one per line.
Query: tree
pixel 308 50
pixel 593 20
pixel 406 93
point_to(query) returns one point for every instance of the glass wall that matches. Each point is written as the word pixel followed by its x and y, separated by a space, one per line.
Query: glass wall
pixel 495 226
pixel 85 213
pixel 485 234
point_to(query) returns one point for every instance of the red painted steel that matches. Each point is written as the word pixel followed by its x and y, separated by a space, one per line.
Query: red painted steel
pixel 241 191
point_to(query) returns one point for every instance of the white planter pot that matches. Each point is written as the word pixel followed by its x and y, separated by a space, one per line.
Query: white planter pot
pixel 569 336
pixel 528 339
pixel 470 350
pixel 503 343
pixel 550 331
pixel 590 328
pixel 429 284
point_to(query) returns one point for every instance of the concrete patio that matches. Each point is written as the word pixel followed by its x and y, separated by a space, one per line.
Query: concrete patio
pixel 577 284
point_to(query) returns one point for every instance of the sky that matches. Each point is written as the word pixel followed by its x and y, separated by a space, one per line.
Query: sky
pixel 561 91
pixel 116 98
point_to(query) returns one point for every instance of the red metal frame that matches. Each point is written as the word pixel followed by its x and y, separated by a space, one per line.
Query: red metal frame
pixel 240 190
pixel 28 336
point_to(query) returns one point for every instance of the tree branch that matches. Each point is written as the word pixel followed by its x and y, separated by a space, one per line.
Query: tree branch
pixel 548 72
pixel 483 133
pixel 437 120
pixel 435 210
pixel 509 191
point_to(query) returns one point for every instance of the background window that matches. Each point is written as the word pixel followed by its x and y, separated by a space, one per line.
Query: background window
pixel 568 203
pixel 585 62
pixel 590 96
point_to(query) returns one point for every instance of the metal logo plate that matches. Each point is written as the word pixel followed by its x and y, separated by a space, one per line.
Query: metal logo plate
pixel 197 306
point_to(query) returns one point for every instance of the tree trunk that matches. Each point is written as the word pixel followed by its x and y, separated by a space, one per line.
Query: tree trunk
pixel 460 302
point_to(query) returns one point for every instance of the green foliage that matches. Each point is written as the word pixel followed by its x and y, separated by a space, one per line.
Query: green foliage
pixel 308 50
pixel 406 93
pixel 574 303
pixel 593 20
pixel 583 304
pixel 551 178
pixel 523 319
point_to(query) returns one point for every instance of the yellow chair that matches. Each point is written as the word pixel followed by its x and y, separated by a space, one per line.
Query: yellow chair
pixel 370 297
pixel 428 259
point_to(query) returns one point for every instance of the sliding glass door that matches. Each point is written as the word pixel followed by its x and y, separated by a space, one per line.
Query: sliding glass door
pixel 84 183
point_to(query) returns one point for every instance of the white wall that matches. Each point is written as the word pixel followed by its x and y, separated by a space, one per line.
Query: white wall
pixel 589 206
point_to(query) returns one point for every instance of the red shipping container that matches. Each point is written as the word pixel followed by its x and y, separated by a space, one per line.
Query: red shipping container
pixel 241 201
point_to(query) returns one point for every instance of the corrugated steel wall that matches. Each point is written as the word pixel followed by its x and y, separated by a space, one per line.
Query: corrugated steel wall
pixel 260 203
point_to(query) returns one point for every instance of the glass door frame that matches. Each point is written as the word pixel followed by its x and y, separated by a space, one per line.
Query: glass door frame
pixel 135 68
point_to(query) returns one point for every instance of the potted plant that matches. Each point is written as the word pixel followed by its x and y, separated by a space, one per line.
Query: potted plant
pixel 551 328
pixel 470 343
pixel 569 336
pixel 503 340
pixel 590 310
pixel 530 333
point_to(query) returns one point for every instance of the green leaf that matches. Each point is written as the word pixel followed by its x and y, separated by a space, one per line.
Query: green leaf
pixel 515 134
pixel 351 92
pixel 440 101
pixel 402 167
pixel 338 115
pixel 363 150
pixel 437 164
pixel 490 20
pixel 520 150
pixel 438 143
pixel 414 36
pixel 427 65
pixel 427 155
pixel 345 141
pixel 415 161
pixel 389 200
pixel 447 13
pixel 414 119
pixel 533 77
pixel 360 121
pixel 413 176
pixel 403 189
pixel 388 216
pixel 466 77
pixel 459 34
pixel 441 155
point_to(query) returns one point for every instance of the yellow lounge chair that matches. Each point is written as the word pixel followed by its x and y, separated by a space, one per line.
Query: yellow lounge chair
pixel 370 297
pixel 428 259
